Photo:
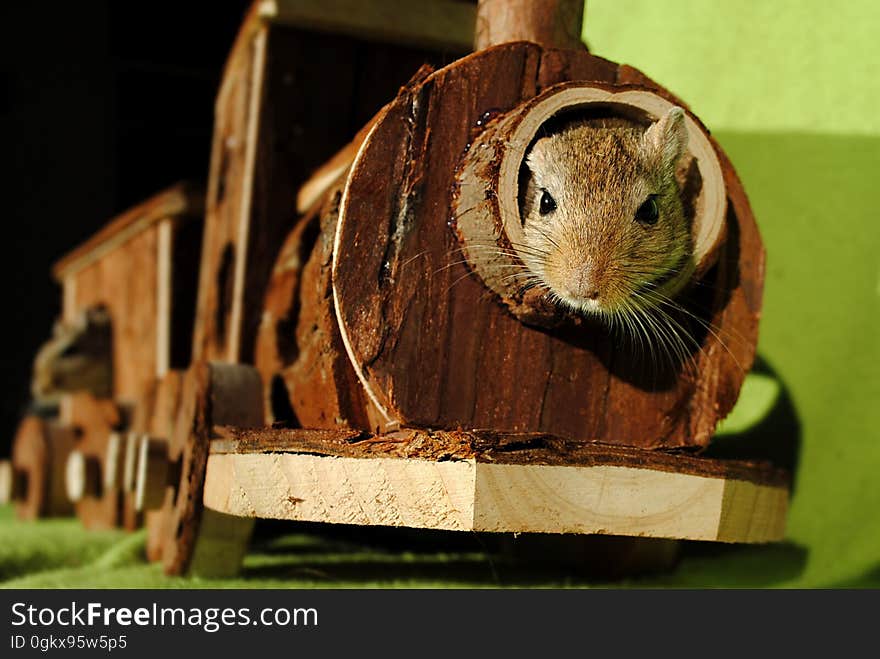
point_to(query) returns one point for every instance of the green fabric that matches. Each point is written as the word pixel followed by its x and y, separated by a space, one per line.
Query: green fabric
pixel 61 554
pixel 789 89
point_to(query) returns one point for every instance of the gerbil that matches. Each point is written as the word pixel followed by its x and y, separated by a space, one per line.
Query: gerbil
pixel 605 230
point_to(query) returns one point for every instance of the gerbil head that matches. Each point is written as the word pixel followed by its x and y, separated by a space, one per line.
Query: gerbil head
pixel 603 221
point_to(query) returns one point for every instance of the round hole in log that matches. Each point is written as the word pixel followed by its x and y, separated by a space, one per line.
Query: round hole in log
pixel 486 206
pixel 224 284
pixel 39 456
pixel 282 410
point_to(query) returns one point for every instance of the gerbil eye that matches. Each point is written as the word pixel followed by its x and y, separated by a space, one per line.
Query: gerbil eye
pixel 548 203
pixel 648 211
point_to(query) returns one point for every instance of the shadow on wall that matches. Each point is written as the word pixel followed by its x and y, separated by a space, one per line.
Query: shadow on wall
pixel 774 434
pixel 814 197
pixel 763 426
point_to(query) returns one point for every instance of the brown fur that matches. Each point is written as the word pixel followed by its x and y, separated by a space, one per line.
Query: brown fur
pixel 599 171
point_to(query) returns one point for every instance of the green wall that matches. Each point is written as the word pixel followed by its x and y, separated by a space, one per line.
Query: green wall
pixel 753 65
pixel 791 90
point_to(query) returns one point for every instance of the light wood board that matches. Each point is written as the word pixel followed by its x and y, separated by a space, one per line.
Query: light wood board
pixel 469 495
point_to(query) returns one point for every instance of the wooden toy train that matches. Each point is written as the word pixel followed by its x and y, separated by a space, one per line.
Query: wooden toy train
pixel 353 356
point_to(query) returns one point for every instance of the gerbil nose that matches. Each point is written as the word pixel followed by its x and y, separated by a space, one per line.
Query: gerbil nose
pixel 586 284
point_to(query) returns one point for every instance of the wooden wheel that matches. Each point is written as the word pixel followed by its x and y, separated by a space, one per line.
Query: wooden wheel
pixel 94 421
pixel 194 539
pixel 157 426
pixel 36 470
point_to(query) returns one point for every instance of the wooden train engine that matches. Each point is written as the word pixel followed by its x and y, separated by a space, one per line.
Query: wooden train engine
pixel 357 354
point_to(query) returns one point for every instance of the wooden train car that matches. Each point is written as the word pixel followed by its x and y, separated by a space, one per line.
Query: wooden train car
pixel 128 295
pixel 141 268
pixel 301 78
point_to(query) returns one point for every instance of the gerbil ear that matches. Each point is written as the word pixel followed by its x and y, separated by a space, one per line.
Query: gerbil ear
pixel 666 139
pixel 536 159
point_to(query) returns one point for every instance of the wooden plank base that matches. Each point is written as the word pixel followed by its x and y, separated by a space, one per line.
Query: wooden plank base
pixel 533 487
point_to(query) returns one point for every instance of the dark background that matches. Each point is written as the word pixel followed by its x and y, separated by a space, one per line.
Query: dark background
pixel 102 104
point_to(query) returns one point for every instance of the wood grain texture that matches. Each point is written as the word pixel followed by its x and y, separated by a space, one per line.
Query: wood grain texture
pixel 187 446
pixel 328 477
pixel 39 455
pixel 433 348
pixel 733 292
pixel 140 268
pixel 307 375
pixel 438 24
pixel 381 492
pixel 93 421
pixel 160 417
pixel 124 281
pixel 211 393
pixel 489 447
pixel 550 23
pixel 267 141
pixel 300 352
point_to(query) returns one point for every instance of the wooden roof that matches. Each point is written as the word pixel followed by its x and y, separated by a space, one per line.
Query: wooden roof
pixel 182 200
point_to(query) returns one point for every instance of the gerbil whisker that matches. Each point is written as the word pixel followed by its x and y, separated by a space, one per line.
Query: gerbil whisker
pixel 657 302
pixel 664 300
pixel 461 214
pixel 451 265
pixel 635 325
pixel 500 251
pixel 413 258
pixel 673 331
pixel 529 286
pixel 660 298
pixel 460 279
pixel 547 236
